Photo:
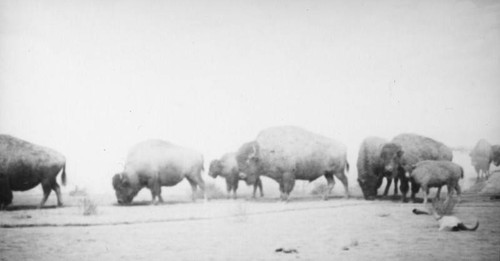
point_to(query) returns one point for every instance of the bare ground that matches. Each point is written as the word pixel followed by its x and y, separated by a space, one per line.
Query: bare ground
pixel 351 229
pixel 245 229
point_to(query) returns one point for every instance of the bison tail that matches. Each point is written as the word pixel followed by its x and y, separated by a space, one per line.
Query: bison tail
pixel 461 172
pixel 346 166
pixel 63 177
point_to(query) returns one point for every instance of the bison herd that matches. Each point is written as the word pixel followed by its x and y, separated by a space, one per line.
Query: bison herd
pixel 284 154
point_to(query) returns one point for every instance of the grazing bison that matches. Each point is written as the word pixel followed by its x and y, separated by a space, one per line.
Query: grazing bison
pixel 227 167
pixel 156 163
pixel 435 174
pixel 24 165
pixel 406 150
pixel 481 157
pixel 286 154
pixel 371 169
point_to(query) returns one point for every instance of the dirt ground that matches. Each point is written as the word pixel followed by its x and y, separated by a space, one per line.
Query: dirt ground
pixel 244 229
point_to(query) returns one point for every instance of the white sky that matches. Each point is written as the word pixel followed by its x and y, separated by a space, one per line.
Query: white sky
pixel 92 78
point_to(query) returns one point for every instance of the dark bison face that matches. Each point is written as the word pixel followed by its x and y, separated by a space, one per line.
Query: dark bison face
pixel 496 154
pixel 125 192
pixel 369 186
pixel 215 169
pixel 391 155
pixel 249 162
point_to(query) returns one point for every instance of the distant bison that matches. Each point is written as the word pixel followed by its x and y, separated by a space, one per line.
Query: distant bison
pixel 481 157
pixel 429 173
pixel 406 150
pixel 286 154
pixel 371 169
pixel 156 163
pixel 227 167
pixel 24 165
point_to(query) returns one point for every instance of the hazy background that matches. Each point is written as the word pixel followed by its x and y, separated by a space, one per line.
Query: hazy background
pixel 92 78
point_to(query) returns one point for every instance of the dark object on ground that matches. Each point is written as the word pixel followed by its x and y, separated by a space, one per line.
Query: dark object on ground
pixel 286 251
pixel 447 223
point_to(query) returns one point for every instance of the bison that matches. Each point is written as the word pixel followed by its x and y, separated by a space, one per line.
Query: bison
pixel 24 165
pixel 406 150
pixel 227 167
pixel 157 163
pixel 371 169
pixel 435 174
pixel 288 153
pixel 481 157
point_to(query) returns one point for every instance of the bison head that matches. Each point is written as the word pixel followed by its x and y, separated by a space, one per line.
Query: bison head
pixel 124 190
pixel 369 186
pixel 249 162
pixel 391 156
pixel 215 168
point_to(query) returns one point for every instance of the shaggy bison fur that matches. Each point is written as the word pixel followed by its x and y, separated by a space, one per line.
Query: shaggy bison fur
pixel 288 153
pixel 406 150
pixel 24 165
pixel 227 167
pixel 157 163
pixel 371 169
pixel 435 174
pixel 481 157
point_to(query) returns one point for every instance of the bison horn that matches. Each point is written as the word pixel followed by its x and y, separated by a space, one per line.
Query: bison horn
pixel 254 152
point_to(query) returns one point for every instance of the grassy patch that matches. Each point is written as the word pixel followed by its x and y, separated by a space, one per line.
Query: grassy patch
pixel 319 189
pixel 444 206
pixel 212 192
pixel 89 207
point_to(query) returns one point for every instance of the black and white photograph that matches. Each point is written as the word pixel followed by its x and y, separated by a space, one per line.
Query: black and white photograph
pixel 249 130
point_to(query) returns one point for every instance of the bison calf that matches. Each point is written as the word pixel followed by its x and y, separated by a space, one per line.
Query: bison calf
pixel 435 174
pixel 227 167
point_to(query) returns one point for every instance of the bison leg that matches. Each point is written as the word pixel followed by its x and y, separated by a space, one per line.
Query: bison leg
pixel 288 184
pixel 438 195
pixel 197 183
pixel 343 179
pixel 330 184
pixel 57 190
pixel 425 189
pixel 155 187
pixel 414 190
pixel 404 187
pixel 457 188
pixel 46 192
pixel 258 184
pixel 193 189
pixel 229 187
pixel 282 190
pixel 235 188
pixel 396 186
pixel 389 181
pixel 478 171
